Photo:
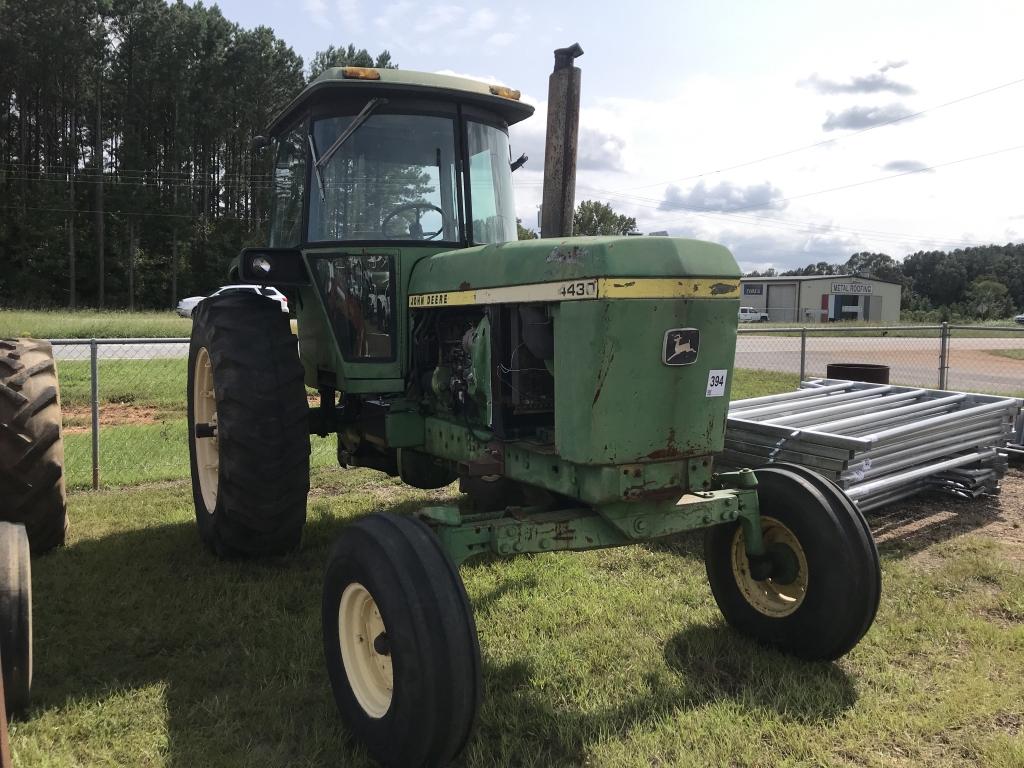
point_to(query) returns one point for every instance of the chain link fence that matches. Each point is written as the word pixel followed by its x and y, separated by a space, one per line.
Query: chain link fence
pixel 124 411
pixel 124 399
pixel 986 359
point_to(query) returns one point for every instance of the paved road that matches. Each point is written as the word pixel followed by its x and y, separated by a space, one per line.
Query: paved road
pixel 915 362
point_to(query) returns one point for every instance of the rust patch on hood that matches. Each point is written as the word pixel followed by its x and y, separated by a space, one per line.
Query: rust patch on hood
pixel 670 451
pixel 602 375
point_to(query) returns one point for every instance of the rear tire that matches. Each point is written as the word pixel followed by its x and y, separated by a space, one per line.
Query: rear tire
pixel 15 618
pixel 825 597
pixel 400 642
pixel 250 479
pixel 31 447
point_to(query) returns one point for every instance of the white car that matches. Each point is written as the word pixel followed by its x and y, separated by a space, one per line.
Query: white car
pixel 751 315
pixel 187 306
pixel 1019 319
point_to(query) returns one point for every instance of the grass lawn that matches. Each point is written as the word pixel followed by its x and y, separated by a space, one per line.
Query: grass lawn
pixel 91 324
pixel 150 652
pixel 156 383
pixel 1014 354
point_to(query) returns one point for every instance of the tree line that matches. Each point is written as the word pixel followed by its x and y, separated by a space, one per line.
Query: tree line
pixel 980 283
pixel 127 175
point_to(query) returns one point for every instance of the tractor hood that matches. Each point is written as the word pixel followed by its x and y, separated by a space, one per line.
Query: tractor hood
pixel 527 262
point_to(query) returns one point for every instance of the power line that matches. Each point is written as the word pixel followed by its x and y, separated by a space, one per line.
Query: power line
pixel 825 142
pixel 144 214
pixel 664 204
pixel 887 178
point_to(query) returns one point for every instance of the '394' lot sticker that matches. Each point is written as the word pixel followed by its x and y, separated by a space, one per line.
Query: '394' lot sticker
pixel 716 383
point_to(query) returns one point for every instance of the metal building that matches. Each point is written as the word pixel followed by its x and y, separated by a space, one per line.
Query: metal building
pixel 822 298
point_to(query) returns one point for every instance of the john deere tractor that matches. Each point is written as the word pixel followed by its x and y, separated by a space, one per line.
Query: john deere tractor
pixel 575 387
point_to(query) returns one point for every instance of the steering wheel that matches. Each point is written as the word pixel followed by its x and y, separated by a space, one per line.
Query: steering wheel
pixel 415 230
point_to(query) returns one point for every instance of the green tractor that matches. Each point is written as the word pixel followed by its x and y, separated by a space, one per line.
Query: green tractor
pixel 575 387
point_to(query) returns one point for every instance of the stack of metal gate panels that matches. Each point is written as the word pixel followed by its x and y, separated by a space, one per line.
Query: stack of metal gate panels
pixel 879 442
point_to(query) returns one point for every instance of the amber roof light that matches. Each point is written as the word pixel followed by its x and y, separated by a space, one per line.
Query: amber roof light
pixel 360 73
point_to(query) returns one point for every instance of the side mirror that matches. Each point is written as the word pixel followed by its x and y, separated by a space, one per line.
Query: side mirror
pixel 280 267
pixel 258 144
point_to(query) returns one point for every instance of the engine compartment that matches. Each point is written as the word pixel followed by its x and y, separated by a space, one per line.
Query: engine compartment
pixel 491 367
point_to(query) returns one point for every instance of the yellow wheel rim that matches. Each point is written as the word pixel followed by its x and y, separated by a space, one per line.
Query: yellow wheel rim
pixel 204 406
pixel 361 632
pixel 767 596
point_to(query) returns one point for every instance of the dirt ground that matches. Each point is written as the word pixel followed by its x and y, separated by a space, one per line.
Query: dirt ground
pixel 914 524
pixel 78 419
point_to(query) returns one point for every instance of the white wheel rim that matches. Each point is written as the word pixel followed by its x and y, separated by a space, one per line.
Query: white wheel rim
pixel 369 673
pixel 767 596
pixel 204 406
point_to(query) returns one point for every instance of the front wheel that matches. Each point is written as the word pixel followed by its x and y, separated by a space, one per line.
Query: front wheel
pixel 400 642
pixel 820 593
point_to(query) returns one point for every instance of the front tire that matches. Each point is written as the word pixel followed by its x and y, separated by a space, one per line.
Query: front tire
pixel 400 642
pixel 823 592
pixel 15 618
pixel 31 447
pixel 248 427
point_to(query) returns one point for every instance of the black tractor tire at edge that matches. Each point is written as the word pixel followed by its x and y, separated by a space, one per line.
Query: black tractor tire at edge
pixel 31 446
pixel 15 618
pixel 262 427
pixel 843 573
pixel 856 525
pixel 429 624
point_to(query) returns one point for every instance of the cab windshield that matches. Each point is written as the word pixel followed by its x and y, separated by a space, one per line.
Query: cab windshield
pixel 395 177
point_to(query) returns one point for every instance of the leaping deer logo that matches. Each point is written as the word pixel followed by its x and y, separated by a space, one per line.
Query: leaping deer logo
pixel 681 347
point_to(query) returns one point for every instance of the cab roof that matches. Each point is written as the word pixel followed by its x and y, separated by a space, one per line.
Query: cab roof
pixel 383 82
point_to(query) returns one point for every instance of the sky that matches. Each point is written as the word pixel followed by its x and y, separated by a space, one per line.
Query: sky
pixel 792 132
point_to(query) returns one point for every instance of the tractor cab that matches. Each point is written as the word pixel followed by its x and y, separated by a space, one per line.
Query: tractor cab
pixel 375 169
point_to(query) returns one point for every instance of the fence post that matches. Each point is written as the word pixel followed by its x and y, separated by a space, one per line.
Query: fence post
pixel 94 398
pixel 943 353
pixel 803 352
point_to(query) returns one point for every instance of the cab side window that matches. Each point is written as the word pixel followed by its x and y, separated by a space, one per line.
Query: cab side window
pixel 289 181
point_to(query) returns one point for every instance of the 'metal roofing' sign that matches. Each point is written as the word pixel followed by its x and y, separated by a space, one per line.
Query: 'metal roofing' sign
pixel 850 288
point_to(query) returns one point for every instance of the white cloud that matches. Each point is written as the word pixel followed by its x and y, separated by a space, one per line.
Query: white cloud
pixel 350 14
pixel 481 20
pixel 501 39
pixel 723 196
pixel 317 10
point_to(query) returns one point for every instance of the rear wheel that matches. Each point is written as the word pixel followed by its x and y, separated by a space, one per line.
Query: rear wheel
pixel 819 592
pixel 31 448
pixel 248 427
pixel 400 642
pixel 15 617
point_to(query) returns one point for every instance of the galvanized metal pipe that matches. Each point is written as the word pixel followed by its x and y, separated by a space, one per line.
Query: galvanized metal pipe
pixel 892 481
pixel 856 421
pixel 806 404
pixel 796 394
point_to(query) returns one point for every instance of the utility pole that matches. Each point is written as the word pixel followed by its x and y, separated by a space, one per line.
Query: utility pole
pixel 559 200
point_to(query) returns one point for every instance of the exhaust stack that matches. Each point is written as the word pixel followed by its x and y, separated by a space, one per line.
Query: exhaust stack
pixel 559 200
